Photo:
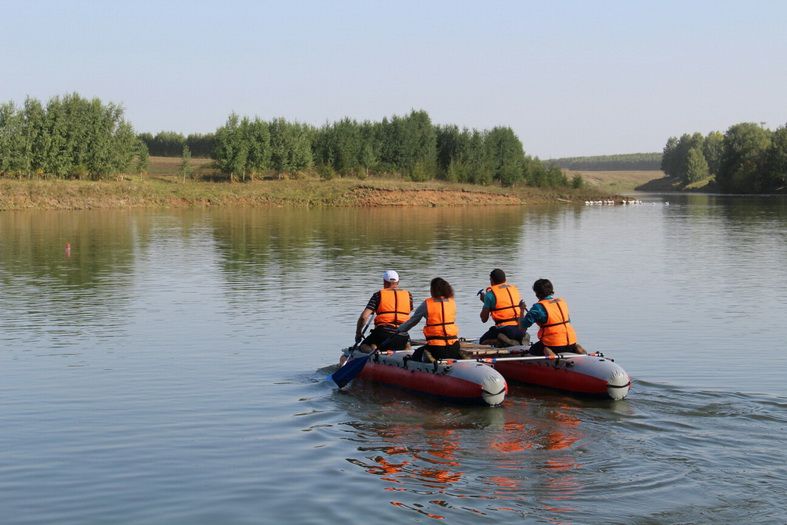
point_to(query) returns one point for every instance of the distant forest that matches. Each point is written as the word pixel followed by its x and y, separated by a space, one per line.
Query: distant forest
pixel 170 143
pixel 747 158
pixel 629 161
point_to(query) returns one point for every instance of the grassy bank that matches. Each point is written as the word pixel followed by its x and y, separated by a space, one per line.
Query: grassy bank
pixel 162 187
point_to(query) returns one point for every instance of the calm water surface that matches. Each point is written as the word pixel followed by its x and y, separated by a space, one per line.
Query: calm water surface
pixel 171 368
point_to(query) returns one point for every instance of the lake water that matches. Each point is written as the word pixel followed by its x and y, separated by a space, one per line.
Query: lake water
pixel 171 368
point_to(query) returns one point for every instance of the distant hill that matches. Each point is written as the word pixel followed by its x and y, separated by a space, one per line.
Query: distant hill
pixel 628 161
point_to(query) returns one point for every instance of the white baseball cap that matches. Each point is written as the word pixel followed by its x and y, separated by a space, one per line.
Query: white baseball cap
pixel 390 276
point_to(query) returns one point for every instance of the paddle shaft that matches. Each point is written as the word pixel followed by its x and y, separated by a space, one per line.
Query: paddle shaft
pixel 497 359
pixel 525 358
pixel 353 366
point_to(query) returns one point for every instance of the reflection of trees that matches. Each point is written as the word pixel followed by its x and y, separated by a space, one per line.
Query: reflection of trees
pixel 255 244
pixel 740 233
pixel 46 288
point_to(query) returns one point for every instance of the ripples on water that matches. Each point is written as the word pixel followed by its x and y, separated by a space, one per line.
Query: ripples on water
pixel 171 369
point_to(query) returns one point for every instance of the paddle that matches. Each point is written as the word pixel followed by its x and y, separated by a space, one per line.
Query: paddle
pixel 357 343
pixel 353 366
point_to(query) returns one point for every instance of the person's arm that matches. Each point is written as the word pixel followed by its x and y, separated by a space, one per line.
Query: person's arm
pixel 489 304
pixel 361 323
pixel 536 314
pixel 371 307
pixel 418 314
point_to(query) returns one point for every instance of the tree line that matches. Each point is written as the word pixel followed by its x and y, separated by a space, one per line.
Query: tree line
pixel 171 143
pixel 747 158
pixel 409 145
pixel 626 161
pixel 73 137
pixel 69 137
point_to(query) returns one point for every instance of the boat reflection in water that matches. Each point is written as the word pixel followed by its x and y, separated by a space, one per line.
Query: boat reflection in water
pixel 440 461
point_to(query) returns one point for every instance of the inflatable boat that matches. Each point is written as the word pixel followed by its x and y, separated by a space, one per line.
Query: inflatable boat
pixel 464 380
pixel 587 374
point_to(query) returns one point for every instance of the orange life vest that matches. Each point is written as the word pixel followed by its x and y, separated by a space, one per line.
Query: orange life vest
pixel 394 307
pixel 506 311
pixel 557 330
pixel 440 329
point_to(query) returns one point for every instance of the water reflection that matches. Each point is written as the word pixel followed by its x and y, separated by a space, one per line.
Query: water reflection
pixel 436 459
pixel 268 255
pixel 252 240
pixel 67 273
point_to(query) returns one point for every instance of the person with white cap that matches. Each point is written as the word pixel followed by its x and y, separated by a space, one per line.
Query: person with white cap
pixel 392 306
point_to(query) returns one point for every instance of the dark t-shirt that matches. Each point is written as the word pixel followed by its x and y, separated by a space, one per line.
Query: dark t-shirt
pixel 374 302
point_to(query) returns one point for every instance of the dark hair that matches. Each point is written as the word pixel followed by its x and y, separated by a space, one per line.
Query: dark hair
pixel 543 288
pixel 440 288
pixel 497 276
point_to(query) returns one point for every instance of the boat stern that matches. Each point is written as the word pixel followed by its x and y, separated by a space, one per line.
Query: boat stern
pixel 618 384
pixel 494 388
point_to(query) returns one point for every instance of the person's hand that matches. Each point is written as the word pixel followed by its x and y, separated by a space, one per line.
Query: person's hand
pixel 522 305
pixel 358 338
pixel 480 294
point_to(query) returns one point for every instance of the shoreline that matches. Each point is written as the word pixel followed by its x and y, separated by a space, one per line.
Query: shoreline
pixel 170 192
pixel 162 187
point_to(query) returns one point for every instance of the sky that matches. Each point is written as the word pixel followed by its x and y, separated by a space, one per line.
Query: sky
pixel 571 78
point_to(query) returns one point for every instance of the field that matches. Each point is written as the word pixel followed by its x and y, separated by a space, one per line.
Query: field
pixel 619 181
pixel 170 166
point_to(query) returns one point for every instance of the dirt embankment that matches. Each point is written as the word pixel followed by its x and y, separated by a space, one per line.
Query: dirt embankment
pixel 164 187
pixel 380 197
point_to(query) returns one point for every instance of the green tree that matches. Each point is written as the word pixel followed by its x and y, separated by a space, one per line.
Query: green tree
pixel 479 168
pixel 508 157
pixel 143 158
pixel 777 161
pixel 69 137
pixel 712 149
pixel 743 158
pixel 231 151
pixel 201 144
pixel 257 138
pixel 696 166
pixel 669 164
pixel 291 146
pixel 185 163
pixel 681 158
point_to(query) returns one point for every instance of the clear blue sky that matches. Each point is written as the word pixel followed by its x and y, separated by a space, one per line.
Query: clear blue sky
pixel 571 78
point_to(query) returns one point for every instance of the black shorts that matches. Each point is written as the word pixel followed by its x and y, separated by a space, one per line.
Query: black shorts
pixel 538 348
pixel 511 331
pixel 438 352
pixel 382 334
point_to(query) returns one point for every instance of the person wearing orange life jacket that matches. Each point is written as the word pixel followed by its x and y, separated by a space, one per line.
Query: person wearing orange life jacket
pixel 555 334
pixel 392 306
pixel 441 331
pixel 502 303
